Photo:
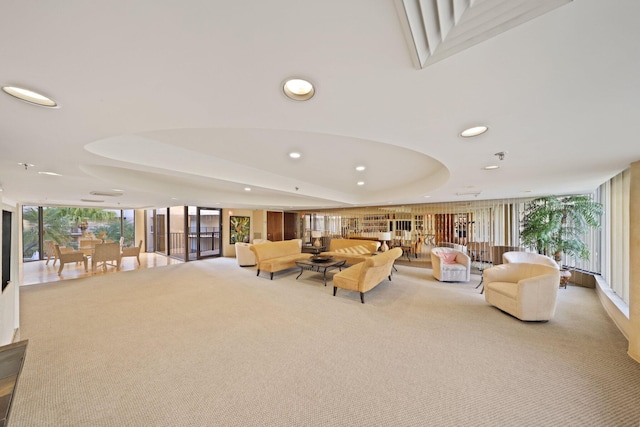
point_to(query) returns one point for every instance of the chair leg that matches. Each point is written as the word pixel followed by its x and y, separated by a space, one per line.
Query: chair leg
pixel 60 269
pixel 258 272
pixel 271 275
pixel 362 297
pixel 86 265
pixel 335 288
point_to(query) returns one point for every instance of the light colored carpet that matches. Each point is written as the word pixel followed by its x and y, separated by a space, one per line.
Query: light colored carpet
pixel 208 343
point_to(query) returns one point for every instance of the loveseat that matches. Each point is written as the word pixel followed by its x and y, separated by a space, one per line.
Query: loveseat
pixel 277 256
pixel 526 291
pixel 366 274
pixel 450 265
pixel 353 251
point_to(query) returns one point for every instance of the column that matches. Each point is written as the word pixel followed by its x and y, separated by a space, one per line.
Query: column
pixel 634 262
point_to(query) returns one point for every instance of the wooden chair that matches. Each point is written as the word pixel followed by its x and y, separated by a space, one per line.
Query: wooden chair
pixel 133 251
pixel 106 254
pixel 68 256
pixel 50 252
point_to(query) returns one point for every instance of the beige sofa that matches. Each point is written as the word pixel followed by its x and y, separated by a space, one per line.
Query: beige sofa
pixel 277 256
pixel 367 274
pixel 528 257
pixel 524 290
pixel 353 251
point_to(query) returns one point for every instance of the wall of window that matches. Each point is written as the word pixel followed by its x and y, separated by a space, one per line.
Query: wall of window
pixel 614 242
pixel 65 225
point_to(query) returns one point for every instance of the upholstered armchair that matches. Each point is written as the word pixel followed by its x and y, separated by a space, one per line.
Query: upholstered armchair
pixel 244 255
pixel 133 251
pixel 69 256
pixel 528 257
pixel 450 265
pixel 524 290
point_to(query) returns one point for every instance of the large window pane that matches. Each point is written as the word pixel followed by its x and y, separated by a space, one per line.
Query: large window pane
pixel 176 232
pixel 30 233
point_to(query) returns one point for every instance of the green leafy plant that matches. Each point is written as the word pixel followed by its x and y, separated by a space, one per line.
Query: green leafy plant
pixel 556 224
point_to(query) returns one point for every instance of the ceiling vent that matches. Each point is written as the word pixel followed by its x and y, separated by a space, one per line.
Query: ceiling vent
pixel 106 193
pixel 469 193
pixel 437 29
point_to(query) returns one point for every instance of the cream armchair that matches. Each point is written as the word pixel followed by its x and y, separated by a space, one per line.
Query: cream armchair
pixel 526 291
pixel 450 265
pixel 528 257
pixel 244 255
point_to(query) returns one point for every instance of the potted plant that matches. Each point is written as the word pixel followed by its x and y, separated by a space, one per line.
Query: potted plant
pixel 554 225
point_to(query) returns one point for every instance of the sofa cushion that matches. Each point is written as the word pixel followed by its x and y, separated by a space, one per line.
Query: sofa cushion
pixel 358 249
pixel 508 289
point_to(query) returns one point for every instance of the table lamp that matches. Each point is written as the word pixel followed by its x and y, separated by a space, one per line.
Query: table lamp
pixel 316 235
pixel 385 237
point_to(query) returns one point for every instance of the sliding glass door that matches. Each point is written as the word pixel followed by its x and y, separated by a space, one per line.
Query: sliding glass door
pixel 204 232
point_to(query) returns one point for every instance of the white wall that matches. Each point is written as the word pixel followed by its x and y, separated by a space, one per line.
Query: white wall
pixel 9 299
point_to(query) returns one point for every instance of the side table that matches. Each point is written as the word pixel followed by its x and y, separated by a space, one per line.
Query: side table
pixel 565 275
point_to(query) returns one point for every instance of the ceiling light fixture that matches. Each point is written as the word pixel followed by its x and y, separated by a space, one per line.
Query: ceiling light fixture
pixel 360 168
pixel 247 189
pixel 30 96
pixel 49 173
pixel 26 165
pixel 360 182
pixel 295 155
pixel 491 167
pixel 473 131
pixel 298 89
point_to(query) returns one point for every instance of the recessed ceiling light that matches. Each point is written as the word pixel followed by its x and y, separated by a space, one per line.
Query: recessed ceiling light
pixel 360 182
pixel 491 167
pixel 360 168
pixel 298 89
pixel 426 197
pixel 92 200
pixel 49 173
pixel 29 96
pixel 295 155
pixel 474 131
pixel 247 189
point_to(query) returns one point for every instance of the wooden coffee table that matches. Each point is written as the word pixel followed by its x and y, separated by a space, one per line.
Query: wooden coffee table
pixel 317 266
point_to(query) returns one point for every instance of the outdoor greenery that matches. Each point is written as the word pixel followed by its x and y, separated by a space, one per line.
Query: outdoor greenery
pixel 63 225
pixel 555 224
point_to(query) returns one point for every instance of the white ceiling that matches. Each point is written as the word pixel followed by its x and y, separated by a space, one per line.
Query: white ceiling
pixel 180 103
